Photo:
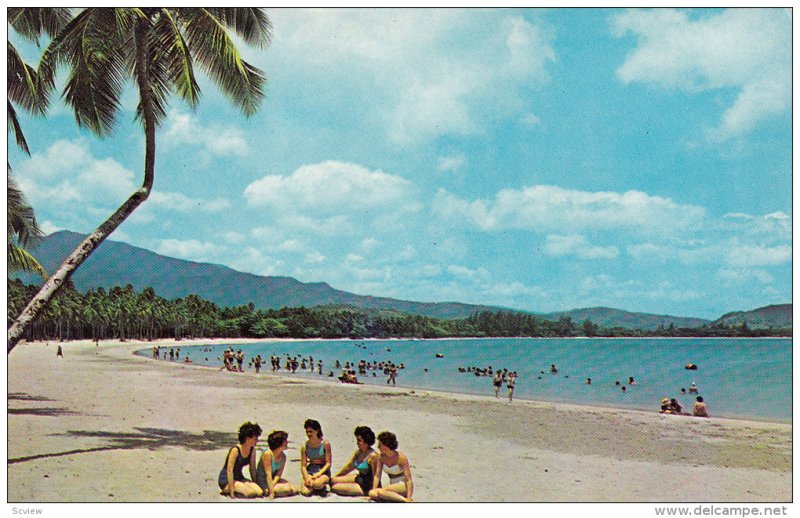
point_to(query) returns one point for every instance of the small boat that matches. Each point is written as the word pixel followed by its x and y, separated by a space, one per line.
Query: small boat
pixel 690 367
pixel 439 355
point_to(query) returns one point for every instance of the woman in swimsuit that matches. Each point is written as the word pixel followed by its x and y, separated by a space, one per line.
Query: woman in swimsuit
pixel 270 467
pixel 365 462
pixel 231 479
pixel 396 465
pixel 315 459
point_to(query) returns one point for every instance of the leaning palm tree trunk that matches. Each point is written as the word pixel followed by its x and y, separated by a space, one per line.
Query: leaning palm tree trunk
pixel 79 255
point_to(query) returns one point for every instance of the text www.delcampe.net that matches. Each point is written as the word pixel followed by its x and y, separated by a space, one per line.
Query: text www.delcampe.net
pixel 721 510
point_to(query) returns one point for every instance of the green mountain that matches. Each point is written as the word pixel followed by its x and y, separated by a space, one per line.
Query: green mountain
pixel 769 317
pixel 119 264
pixel 610 317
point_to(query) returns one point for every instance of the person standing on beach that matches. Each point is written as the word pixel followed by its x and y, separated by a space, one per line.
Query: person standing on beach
pixel 396 465
pixel 365 464
pixel 59 352
pixel 392 375
pixel 315 459
pixel 497 382
pixel 231 479
pixel 270 468
pixel 512 380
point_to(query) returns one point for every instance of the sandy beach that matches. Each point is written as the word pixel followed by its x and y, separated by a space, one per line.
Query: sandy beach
pixel 102 425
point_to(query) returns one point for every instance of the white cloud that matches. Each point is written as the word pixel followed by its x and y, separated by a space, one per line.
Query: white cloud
pixel 314 257
pixel 423 77
pixel 329 188
pixel 775 226
pixel 189 249
pixel 547 208
pixel 744 275
pixel 250 259
pixel 750 255
pixel 48 227
pixel 66 176
pixel 579 246
pixel 185 129
pixel 234 237
pixel 748 50
pixel 451 163
pixel 466 273
pixel 530 119
pixel 335 199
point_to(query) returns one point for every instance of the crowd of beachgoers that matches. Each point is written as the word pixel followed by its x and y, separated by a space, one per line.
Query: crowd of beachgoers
pixel 349 372
pixel 361 476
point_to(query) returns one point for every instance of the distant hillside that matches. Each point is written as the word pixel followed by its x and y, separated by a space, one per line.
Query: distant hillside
pixel 119 264
pixel 769 317
pixel 609 317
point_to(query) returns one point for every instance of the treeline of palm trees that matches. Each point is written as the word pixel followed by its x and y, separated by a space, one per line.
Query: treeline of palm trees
pixel 122 313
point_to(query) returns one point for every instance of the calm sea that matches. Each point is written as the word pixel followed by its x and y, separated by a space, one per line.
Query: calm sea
pixel 736 377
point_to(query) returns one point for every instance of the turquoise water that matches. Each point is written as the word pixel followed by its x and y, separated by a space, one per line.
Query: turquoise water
pixel 736 377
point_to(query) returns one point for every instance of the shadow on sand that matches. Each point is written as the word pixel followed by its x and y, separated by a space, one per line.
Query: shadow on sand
pixel 142 438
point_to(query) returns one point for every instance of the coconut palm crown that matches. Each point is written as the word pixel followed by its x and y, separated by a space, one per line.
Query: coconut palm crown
pixel 157 49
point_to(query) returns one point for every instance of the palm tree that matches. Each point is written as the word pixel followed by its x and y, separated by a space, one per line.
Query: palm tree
pixel 23 231
pixel 157 49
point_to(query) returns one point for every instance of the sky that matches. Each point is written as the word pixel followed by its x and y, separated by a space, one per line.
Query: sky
pixel 536 159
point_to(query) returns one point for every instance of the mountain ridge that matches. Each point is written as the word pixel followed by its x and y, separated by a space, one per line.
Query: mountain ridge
pixel 116 263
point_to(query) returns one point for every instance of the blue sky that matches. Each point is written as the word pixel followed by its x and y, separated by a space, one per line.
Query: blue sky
pixel 540 159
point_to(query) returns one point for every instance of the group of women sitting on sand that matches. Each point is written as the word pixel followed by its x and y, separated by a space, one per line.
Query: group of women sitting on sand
pixel 360 477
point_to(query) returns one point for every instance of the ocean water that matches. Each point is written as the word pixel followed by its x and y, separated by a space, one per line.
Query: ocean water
pixel 749 378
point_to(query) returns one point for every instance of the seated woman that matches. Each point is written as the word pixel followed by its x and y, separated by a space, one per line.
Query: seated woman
pixel 700 408
pixel 270 467
pixel 315 459
pixel 396 465
pixel 231 479
pixel 365 464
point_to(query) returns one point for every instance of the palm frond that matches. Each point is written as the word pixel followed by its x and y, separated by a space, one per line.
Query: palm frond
pixel 176 57
pixel 21 221
pixel 249 23
pixel 13 125
pixel 20 259
pixel 213 49
pixel 32 22
pixel 22 82
pixel 97 71
pixel 55 54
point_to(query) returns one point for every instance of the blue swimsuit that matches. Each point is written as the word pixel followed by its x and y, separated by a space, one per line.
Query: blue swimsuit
pixel 317 454
pixel 364 477
pixel 261 474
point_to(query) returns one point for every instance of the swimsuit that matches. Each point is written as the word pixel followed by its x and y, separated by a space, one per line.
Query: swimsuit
pixel 364 477
pixel 261 474
pixel 313 454
pixel 396 473
pixel 240 463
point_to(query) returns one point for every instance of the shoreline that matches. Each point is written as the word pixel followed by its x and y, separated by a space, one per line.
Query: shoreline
pixel 158 434
pixel 250 341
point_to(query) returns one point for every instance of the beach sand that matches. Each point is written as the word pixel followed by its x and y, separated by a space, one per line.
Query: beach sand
pixel 102 425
